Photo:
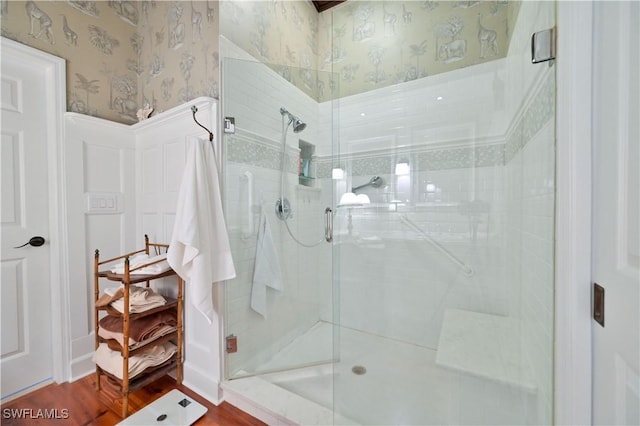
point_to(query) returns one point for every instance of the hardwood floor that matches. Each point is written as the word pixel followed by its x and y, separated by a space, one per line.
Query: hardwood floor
pixel 86 406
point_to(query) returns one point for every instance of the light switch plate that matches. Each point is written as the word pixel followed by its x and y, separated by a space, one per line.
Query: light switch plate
pixel 103 202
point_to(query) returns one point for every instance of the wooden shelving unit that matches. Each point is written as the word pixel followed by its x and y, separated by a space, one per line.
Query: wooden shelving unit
pixel 127 384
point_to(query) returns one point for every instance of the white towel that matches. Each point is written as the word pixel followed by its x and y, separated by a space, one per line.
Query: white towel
pixel 140 299
pixel 266 272
pixel 155 269
pixel 141 259
pixel 199 250
pixel 111 361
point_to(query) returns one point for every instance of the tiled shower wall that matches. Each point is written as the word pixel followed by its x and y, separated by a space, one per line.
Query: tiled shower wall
pixel 394 283
pixel 463 158
pixel 450 130
pixel 464 162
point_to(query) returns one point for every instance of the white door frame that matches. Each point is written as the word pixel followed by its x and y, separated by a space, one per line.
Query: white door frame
pixel 55 104
pixel 573 358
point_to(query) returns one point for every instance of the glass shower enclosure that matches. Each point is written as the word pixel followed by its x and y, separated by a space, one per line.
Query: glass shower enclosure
pixel 280 148
pixel 433 303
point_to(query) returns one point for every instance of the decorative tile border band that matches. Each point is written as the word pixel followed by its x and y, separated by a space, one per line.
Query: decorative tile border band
pixel 535 115
pixel 250 150
pixel 462 157
pixel 255 150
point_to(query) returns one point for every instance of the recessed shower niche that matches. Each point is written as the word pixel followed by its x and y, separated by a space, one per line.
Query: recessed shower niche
pixel 306 168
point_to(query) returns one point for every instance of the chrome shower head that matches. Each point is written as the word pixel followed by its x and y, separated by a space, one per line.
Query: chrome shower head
pixel 298 125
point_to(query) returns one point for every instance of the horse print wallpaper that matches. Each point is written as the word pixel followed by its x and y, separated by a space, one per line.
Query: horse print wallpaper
pixel 381 43
pixel 94 38
pixel 123 56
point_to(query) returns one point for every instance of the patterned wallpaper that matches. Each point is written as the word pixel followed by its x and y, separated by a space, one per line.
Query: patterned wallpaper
pixel 282 34
pixel 369 44
pixel 381 43
pixel 97 41
pixel 179 60
pixel 123 55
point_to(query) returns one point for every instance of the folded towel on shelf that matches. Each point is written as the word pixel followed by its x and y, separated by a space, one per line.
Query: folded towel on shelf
pixel 142 259
pixel 110 327
pixel 140 299
pixel 110 294
pixel 199 250
pixel 111 361
pixel 266 272
pixel 118 337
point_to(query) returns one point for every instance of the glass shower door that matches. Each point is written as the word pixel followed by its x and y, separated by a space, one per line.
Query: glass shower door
pixel 279 306
pixel 446 276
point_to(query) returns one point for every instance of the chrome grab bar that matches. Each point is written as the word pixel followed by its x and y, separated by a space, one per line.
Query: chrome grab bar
pixel 328 225
pixel 466 269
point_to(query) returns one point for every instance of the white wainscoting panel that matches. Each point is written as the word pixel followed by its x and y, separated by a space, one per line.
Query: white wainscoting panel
pixel 136 171
pixel 100 166
pixel 160 155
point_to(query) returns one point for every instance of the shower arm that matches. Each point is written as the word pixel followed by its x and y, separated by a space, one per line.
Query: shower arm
pixel 375 181
pixel 355 188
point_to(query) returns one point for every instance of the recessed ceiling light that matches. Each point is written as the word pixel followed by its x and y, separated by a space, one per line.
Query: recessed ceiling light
pixel 362 114
pixel 439 98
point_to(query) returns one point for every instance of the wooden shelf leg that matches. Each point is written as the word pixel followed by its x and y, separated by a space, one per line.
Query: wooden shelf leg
pixel 96 295
pixel 180 321
pixel 125 405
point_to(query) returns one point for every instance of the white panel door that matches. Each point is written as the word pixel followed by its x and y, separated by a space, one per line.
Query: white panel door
pixel 26 358
pixel 616 226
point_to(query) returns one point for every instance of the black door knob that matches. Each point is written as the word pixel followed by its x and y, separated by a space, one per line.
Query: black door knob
pixel 34 241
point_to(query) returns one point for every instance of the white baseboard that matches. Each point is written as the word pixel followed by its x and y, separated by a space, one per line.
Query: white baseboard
pixel 202 383
pixel 81 367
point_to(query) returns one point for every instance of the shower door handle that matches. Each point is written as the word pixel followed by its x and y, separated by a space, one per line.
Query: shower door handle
pixel 328 226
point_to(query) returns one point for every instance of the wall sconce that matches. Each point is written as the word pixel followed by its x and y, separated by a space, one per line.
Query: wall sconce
pixel 402 168
pixel 337 174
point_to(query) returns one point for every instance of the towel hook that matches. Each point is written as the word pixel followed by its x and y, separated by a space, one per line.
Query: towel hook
pixel 194 109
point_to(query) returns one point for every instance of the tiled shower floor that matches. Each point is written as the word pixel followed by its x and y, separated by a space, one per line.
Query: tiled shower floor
pixel 402 384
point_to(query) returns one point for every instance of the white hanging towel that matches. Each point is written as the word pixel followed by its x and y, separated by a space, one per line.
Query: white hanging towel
pixel 266 272
pixel 199 250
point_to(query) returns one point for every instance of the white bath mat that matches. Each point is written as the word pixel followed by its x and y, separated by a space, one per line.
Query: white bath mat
pixel 174 408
